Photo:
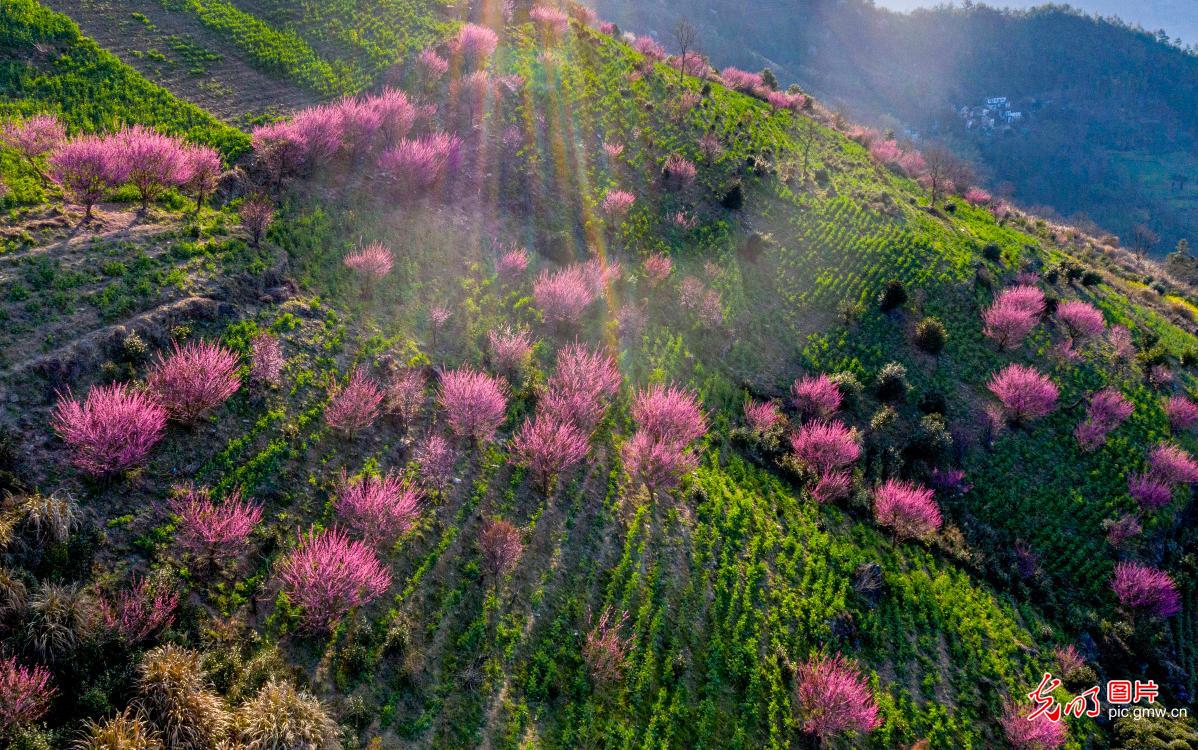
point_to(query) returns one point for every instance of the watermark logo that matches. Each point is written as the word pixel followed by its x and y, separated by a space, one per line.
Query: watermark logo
pixel 1123 699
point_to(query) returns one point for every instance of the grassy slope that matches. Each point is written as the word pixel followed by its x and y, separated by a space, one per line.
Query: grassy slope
pixel 724 589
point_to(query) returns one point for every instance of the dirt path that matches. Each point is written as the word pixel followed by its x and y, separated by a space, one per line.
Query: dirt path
pixel 174 50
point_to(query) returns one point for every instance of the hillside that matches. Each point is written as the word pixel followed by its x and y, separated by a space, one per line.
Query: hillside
pixel 389 296
pixel 1107 109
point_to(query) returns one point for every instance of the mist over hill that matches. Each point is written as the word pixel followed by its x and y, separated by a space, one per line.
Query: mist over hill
pixel 1108 111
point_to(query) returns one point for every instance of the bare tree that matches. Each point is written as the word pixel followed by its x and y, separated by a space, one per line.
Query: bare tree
pixel 1144 238
pixel 807 135
pixel 685 37
pixel 945 171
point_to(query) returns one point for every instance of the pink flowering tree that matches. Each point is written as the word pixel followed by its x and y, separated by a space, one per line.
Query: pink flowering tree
pixel 1025 394
pixel 511 352
pixel 1107 410
pixel 266 359
pixel 416 165
pixel 112 430
pixel 553 23
pixel 562 296
pixel 195 379
pixel 1013 315
pixel 25 694
pixel 657 268
pixel 825 447
pixel 155 161
pixel 200 172
pixel 1149 491
pixel 210 531
pixel 833 699
pixel 582 386
pixel 512 264
pixel 1172 465
pixel 649 47
pixel 372 263
pixel 474 403
pixel 404 396
pixel 605 650
pixel 764 418
pixel 1081 319
pixel 1141 588
pixel 617 204
pixel 432 66
pixel 1181 412
pixel 1119 530
pixel 354 406
pixel 256 215
pixel 500 545
pixel 435 459
pixel 380 509
pixel 815 396
pixel 670 414
pixel 475 43
pixel 33 139
pixel 87 169
pixel 908 510
pixel 548 446
pixel 328 574
pixel 679 171
pixel 655 463
pixel 1041 733
pixel 137 613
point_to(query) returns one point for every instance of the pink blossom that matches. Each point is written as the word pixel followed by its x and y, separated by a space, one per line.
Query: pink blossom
pixel 657 268
pixel 548 446
pixel 328 574
pixel 87 168
pixel 256 214
pixel 1081 318
pixel 833 486
pixel 825 446
pixel 692 64
pixel 1151 493
pixel 33 137
pixel 396 114
pixel 139 612
pixel 474 403
pixel 195 379
pixel 656 463
pixel 476 42
pixel 815 396
pixel 649 48
pixel 977 196
pixel 1041 733
pixel 612 149
pixel 583 384
pixel 679 171
pixel 1172 465
pixel 763 417
pixel 379 508
pixel 832 698
pixel 155 161
pixel 418 164
pixel 25 694
pixel 213 531
pixel 1025 394
pixel 403 395
pixel 1182 413
pixel 512 264
pixel 1121 529
pixel 563 296
pixel 669 414
pixel 1140 587
pixel 1107 410
pixel 907 509
pixel 112 430
pixel 742 80
pixel 200 172
pixel 435 458
pixel 950 480
pixel 605 650
pixel 1121 343
pixel 501 547
pixel 617 203
pixel 784 100
pixel 433 65
pixel 1069 659
pixel 553 21
pixel 354 406
pixel 1013 315
pixel 373 261
pixel 511 352
pixel 266 358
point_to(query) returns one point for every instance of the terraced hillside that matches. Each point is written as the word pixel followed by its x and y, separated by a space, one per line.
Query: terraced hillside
pixel 668 568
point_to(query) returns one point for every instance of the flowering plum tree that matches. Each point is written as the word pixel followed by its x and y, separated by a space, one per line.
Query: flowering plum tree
pixel 200 172
pixel 1182 413
pixel 815 396
pixel 112 430
pixel 501 547
pixel 154 161
pixel 833 699
pixel 657 268
pixel 563 296
pixel 1107 410
pixel 140 611
pixel 1145 589
pixel 669 414
pixel 87 168
pixel 764 417
pixel 256 214
pixel 552 21
pixel 583 384
pixel 403 395
pixel 195 379
pixel 379 508
pixel 474 404
pixel 476 43
pixel 617 204
pixel 372 262
pixel 1150 492
pixel 512 264
pixel 605 650
pixel 211 531
pixel 1024 393
pixel 1013 315
pixel 511 352
pixel 1041 733
pixel 907 509
pixel 25 694
pixel 548 446
pixel 1082 319
pixel 825 447
pixel 328 574
pixel 354 406
pixel 435 458
pixel 1172 465
pixel 266 358
pixel 33 138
